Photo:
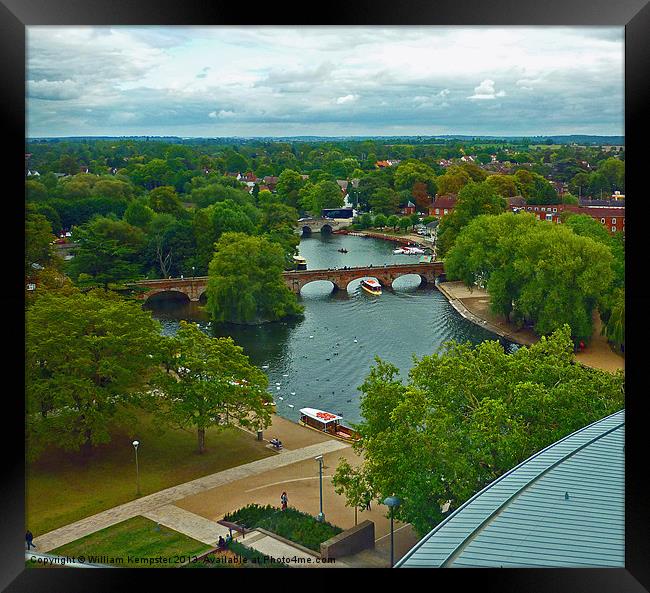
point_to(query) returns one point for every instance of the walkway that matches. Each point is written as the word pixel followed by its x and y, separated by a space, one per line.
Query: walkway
pixel 147 504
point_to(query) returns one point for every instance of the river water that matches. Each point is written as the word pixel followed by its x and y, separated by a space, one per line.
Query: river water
pixel 320 360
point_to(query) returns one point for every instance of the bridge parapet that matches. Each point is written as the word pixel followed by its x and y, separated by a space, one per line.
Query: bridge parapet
pixel 194 288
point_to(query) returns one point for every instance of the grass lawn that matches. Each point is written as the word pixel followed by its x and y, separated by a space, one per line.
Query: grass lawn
pixel 62 487
pixel 125 543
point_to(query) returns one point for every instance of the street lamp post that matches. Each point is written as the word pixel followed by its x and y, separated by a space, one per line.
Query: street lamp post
pixel 321 516
pixel 392 502
pixel 137 469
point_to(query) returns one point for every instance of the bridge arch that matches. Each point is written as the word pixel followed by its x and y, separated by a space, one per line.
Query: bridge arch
pixel 326 229
pixel 318 285
pixel 423 280
pixel 166 295
pixel 306 231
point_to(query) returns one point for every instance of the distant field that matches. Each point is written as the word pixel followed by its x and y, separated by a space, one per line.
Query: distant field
pixel 63 488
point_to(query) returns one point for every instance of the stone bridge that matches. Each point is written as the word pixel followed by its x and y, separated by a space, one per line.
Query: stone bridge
pixel 319 225
pixel 385 275
pixel 194 288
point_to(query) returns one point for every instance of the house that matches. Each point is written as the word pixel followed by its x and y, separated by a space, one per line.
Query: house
pixel 407 209
pixel 443 205
pixel 387 163
pixel 270 181
pixel 249 177
pixel 612 218
pixel 445 163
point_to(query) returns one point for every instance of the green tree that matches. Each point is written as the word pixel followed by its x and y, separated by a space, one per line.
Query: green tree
pixel 474 199
pixel 165 200
pixel 516 257
pixel 324 194
pixel 108 251
pixel 210 382
pixel 87 356
pixel 384 200
pixel 288 187
pixel 393 221
pixel 413 171
pixel 466 416
pixel 380 221
pixel 245 282
pixel 138 214
pixel 38 241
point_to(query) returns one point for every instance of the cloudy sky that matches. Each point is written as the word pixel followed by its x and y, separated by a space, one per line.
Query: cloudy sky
pixel 330 81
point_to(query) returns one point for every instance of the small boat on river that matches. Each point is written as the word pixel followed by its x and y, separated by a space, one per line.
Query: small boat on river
pixel 328 423
pixel 370 285
pixel 300 262
pixel 342 250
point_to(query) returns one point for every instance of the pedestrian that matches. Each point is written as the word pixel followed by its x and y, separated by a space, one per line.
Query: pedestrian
pixel 29 539
pixel 284 501
pixel 367 504
pixel 222 543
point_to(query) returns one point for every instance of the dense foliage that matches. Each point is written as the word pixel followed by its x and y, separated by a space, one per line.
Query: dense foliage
pixel 292 524
pixel 535 272
pixel 209 382
pixel 466 416
pixel 245 283
pixel 87 356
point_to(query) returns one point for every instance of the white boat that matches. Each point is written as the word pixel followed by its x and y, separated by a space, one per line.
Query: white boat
pixel 328 423
pixel 408 250
pixel 371 286
pixel 300 262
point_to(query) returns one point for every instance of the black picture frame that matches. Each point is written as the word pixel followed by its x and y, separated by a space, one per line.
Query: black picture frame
pixel 15 15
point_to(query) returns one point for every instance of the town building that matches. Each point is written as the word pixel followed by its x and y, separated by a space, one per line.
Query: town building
pixel 443 205
pixel 612 218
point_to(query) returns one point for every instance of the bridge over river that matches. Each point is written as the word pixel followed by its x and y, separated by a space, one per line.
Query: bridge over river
pixel 194 288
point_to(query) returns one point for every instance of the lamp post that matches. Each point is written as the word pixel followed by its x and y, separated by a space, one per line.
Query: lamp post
pixel 392 502
pixel 137 469
pixel 321 516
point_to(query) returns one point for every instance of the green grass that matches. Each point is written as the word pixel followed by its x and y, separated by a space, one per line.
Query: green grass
pixel 62 487
pixel 291 524
pixel 127 543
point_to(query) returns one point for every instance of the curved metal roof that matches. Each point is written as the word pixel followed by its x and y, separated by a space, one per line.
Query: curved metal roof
pixel 562 507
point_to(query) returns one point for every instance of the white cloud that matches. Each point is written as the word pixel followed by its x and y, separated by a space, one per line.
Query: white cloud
pixel 347 99
pixel 222 114
pixel 486 90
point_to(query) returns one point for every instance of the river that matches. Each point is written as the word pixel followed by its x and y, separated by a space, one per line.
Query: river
pixel 320 360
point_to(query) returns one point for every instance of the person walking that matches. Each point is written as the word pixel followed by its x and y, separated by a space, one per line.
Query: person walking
pixel 284 500
pixel 29 538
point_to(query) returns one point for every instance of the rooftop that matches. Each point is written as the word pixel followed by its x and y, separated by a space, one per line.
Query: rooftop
pixel 562 507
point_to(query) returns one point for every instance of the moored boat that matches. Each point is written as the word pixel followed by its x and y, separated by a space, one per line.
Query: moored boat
pixel 301 262
pixel 371 286
pixel 328 423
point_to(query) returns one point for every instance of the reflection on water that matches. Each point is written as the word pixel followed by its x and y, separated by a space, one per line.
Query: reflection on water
pixel 321 359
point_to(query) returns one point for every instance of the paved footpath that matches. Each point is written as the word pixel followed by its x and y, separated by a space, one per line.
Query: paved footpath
pixel 148 504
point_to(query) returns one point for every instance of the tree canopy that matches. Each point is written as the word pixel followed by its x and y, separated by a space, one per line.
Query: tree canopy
pixel 245 282
pixel 465 416
pixel 87 355
pixel 209 382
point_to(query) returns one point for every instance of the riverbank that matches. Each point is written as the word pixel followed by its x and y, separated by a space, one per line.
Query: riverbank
pixel 474 305
pixel 406 239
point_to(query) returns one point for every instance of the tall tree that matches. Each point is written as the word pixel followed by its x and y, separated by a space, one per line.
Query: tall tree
pixel 466 416
pixel 87 355
pixel 210 382
pixel 245 282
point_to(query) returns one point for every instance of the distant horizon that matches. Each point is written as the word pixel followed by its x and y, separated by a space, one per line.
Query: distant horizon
pixel 325 81
pixel 253 137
